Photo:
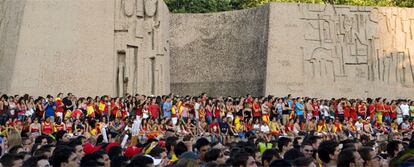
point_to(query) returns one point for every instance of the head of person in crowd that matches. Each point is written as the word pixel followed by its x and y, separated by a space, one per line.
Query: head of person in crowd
pixel 27 144
pixel 158 153
pixel 292 154
pixel 16 149
pixel 280 162
pixel 45 150
pixel 179 149
pixel 304 162
pixel 41 140
pixel 269 156
pixel 215 156
pixel 115 151
pixel 64 156
pixel 187 162
pixel 350 158
pixel 370 157
pixel 315 140
pixel 142 161
pixel 328 152
pixel 170 143
pixel 14 138
pixel 243 159
pixel 11 160
pixel 307 149
pixel 37 161
pixel 119 161
pixel 202 146
pixel 26 155
pixel 77 144
pixel 394 147
pixel 96 159
pixel 284 144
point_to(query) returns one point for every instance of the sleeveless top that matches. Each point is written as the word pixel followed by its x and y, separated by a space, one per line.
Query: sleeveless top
pixel 59 127
pixel 69 128
pixel 47 128
pixel 34 129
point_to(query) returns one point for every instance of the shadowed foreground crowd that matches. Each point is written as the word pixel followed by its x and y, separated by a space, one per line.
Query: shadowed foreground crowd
pixel 139 130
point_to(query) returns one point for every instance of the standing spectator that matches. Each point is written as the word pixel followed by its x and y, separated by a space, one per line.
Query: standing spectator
pixel 405 109
pixel 49 107
pixel 167 108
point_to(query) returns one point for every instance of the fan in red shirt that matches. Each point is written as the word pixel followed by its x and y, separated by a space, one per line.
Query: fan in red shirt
pixel 387 112
pixel 393 109
pixel 371 110
pixel 347 111
pixel 154 109
pixel 361 110
pixel 76 113
pixel 214 127
pixel 353 111
pixel 315 110
pixel 256 109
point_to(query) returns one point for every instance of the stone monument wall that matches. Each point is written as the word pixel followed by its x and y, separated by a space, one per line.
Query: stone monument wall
pixel 91 47
pixel 333 51
pixel 219 53
pixel 309 49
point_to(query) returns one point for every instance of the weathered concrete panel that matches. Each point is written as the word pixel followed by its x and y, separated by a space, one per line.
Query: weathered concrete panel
pixel 219 53
pixel 88 47
pixel 11 13
pixel 63 46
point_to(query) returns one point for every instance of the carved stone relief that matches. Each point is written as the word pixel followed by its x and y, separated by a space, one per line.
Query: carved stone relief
pixel 138 31
pixel 355 38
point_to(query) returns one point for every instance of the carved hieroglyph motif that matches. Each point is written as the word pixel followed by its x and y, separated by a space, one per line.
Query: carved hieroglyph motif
pixel 375 43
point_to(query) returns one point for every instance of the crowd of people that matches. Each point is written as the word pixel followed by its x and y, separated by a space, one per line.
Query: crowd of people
pixel 169 130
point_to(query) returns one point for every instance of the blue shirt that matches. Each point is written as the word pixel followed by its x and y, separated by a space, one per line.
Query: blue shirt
pixel 49 111
pixel 290 102
pixel 167 106
pixel 299 111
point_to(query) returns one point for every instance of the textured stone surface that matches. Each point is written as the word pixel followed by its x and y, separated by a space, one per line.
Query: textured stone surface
pixel 326 51
pixel 311 50
pixel 11 13
pixel 52 46
pixel 219 53
pixel 123 46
